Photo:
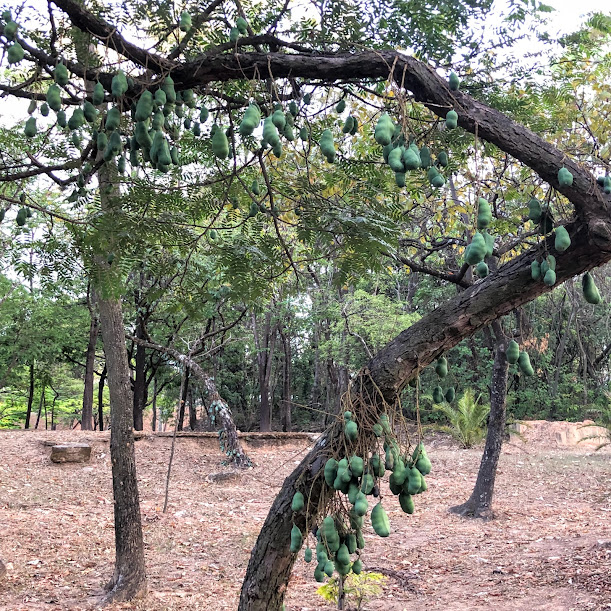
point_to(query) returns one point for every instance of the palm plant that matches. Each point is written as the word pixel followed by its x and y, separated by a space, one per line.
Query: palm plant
pixel 466 421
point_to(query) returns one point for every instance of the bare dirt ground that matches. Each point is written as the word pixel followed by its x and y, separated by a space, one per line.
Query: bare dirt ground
pixel 549 548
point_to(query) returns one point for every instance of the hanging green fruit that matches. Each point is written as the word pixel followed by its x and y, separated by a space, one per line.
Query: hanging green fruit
pixel 562 239
pixel 512 352
pixel 524 364
pixel 185 22
pixel 118 85
pixel 534 210
pixel 454 81
pixel 565 178
pixel 590 290
pixel 384 130
pixel 15 53
pixel 220 144
pixel 452 119
pixel 484 213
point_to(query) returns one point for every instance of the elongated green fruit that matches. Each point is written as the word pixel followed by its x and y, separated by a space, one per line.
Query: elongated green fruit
pixel 384 130
pixel 330 471
pixel 98 94
pixel 454 81
pixel 524 364
pixel 15 53
pixel 54 99
pixel 279 119
pixel 565 178
pixel 242 25
pixel 351 430
pixel 482 270
pixel 534 210
pixel 61 75
pixel 251 119
pixel 476 250
pixel 296 539
pixel 118 84
pixel 425 156
pixel 441 368
pixel 512 352
pixel 484 213
pixel 590 291
pixel 535 270
pixel 395 160
pixel 144 107
pixel 10 29
pixel 562 240
pixel 379 521
pixel 450 394
pixel 220 144
pixel 438 394
pixel 185 21
pixel 341 106
pixel 326 145
pixel 550 277
pixel 298 501
pixel 270 132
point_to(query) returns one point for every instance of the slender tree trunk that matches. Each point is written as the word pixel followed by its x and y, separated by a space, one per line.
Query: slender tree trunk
pixel 28 413
pixel 140 378
pixel 192 410
pixel 40 404
pixel 265 342
pixel 560 353
pixel 479 504
pixel 101 398
pixel 87 415
pixel 129 579
pixel 286 383
pixel 154 423
pixel 184 389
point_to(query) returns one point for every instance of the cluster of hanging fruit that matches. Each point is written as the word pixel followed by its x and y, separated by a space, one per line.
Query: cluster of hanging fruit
pixel 339 537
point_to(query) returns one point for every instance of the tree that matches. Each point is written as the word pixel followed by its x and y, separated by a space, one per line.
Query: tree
pixel 255 58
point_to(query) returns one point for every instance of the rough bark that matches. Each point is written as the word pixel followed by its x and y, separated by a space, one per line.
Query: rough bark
pixel 219 410
pixel 139 379
pixel 101 398
pixel 286 383
pixel 265 341
pixel 184 389
pixel 87 414
pixel 479 504
pixel 192 410
pixel 129 578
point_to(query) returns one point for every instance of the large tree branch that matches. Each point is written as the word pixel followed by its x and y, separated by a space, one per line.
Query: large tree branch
pixel 381 382
pixel 101 29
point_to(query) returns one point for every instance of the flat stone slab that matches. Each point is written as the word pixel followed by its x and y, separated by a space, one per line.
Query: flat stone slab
pixel 71 452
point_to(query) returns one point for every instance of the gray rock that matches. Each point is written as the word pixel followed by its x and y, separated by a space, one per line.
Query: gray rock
pixel 71 452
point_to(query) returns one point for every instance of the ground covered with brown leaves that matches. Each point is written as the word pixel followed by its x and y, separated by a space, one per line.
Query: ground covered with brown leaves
pixel 549 547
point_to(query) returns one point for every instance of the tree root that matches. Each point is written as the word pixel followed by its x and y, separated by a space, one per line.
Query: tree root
pixel 473 510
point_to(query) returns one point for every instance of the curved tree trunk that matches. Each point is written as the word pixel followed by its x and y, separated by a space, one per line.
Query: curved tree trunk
pixel 380 384
pixel 479 504
pixel 219 410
